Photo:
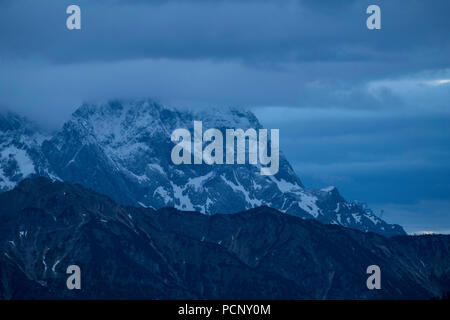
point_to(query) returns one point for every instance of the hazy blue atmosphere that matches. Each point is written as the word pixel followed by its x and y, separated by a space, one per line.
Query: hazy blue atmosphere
pixel 366 111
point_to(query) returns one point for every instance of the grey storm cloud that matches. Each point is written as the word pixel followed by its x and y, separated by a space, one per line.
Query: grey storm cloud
pixel 301 53
pixel 266 32
pixel 298 53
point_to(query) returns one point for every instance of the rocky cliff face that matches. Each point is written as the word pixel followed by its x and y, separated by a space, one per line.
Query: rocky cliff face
pixel 123 149
pixel 129 252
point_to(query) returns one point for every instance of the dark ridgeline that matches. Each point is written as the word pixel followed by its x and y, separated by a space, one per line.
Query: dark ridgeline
pixel 128 252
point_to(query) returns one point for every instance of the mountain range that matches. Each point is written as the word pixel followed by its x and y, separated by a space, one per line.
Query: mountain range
pixel 141 253
pixel 122 149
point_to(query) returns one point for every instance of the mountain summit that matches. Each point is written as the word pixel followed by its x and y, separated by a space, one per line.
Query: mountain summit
pixel 122 149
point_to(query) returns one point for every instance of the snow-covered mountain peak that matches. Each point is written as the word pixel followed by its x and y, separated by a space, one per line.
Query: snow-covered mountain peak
pixel 20 142
pixel 122 149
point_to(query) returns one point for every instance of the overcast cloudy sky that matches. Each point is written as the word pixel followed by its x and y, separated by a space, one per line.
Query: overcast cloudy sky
pixel 367 111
